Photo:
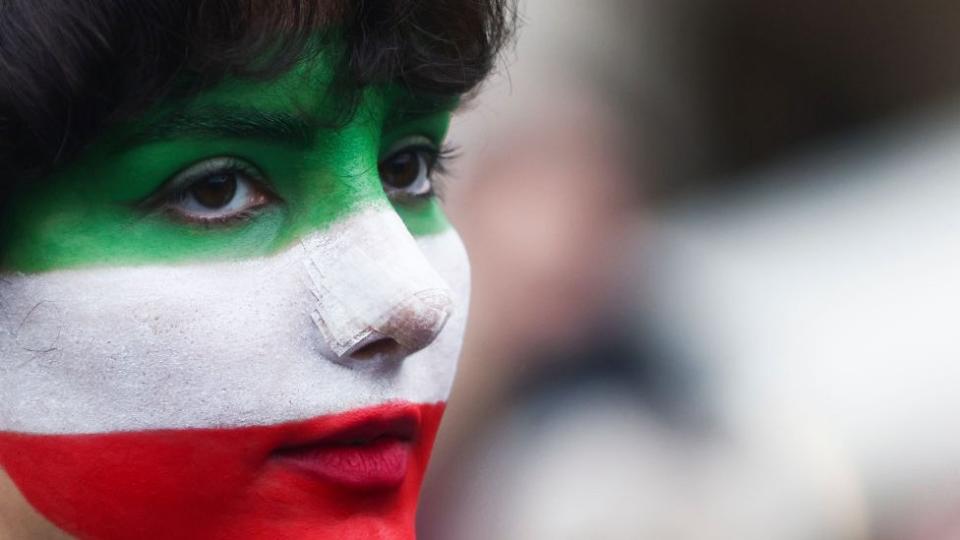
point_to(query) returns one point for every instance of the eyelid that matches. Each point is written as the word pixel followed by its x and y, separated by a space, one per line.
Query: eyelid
pixel 420 142
pixel 211 166
pixel 198 171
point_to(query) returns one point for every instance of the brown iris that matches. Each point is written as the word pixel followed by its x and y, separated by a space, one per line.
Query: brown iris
pixel 401 170
pixel 215 191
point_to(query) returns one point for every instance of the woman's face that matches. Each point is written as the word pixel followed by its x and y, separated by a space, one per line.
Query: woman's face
pixel 235 318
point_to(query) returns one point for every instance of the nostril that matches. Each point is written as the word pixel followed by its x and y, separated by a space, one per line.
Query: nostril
pixel 382 347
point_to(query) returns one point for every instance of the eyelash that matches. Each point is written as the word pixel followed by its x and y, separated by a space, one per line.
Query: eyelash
pixel 438 169
pixel 447 154
pixel 164 201
pixel 212 222
pixel 438 162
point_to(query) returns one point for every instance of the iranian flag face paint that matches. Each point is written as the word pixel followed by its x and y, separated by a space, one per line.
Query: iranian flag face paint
pixel 232 320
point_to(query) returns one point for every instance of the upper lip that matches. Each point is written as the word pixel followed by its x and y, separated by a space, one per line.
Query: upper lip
pixel 399 422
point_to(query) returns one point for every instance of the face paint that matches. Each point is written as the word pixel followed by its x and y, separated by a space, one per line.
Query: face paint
pixel 278 375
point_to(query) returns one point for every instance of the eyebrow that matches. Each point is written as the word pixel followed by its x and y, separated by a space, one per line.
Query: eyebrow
pixel 230 122
pixel 420 106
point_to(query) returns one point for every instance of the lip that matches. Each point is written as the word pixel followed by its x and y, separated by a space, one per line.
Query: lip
pixel 368 451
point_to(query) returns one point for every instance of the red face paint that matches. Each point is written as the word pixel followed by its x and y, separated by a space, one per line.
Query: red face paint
pixel 354 475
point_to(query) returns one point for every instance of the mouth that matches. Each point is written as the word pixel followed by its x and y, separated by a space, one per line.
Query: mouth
pixel 369 451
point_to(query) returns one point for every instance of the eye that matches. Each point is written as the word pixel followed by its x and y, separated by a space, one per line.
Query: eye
pixel 406 171
pixel 218 190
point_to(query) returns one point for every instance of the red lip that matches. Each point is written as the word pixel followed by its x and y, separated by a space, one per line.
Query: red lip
pixel 225 483
pixel 368 450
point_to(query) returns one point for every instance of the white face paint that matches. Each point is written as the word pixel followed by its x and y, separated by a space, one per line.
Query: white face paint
pixel 366 289
pixel 239 343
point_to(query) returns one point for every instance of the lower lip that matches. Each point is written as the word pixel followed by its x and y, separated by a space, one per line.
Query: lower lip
pixel 378 464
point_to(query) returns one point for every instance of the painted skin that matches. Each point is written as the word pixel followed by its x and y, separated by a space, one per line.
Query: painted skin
pixel 88 213
pixel 160 352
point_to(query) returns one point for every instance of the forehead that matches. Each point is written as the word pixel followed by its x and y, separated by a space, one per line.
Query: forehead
pixel 309 97
pixel 306 87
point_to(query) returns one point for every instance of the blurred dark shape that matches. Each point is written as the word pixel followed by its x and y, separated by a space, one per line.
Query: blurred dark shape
pixel 673 108
pixel 772 77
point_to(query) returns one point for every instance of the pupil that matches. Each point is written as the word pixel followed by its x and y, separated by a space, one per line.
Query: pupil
pixel 401 171
pixel 216 191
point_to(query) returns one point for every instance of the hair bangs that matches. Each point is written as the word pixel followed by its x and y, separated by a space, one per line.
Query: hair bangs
pixel 69 70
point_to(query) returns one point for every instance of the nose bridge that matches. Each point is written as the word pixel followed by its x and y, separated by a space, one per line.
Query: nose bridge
pixel 370 280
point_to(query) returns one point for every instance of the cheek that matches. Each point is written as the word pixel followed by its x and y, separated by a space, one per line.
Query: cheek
pixel 165 387
pixel 227 344
pixel 447 255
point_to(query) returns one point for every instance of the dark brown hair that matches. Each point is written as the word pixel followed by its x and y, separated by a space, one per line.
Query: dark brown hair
pixel 71 68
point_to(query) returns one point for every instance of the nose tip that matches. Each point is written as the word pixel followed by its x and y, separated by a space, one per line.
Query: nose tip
pixel 417 322
pixel 405 329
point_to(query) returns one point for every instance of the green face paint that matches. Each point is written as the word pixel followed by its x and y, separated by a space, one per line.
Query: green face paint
pixel 103 209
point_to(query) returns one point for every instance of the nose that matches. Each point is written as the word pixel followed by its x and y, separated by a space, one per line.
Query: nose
pixel 404 329
pixel 376 295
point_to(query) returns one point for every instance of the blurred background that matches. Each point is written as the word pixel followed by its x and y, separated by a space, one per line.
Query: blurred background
pixel 716 253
